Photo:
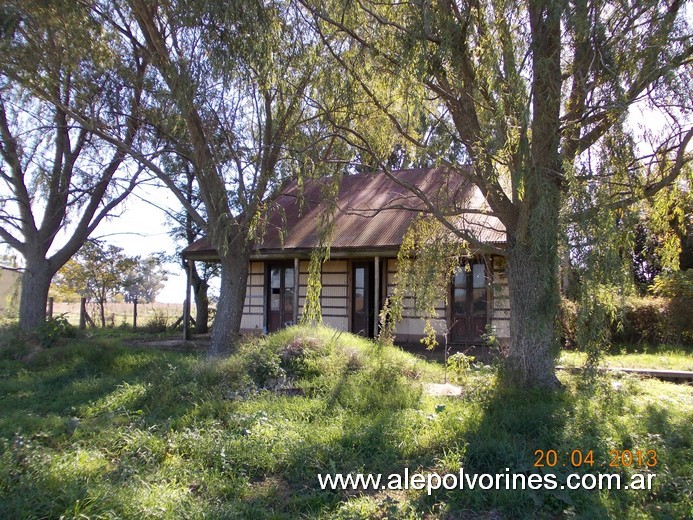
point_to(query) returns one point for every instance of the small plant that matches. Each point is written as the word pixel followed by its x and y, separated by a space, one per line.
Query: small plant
pixel 297 357
pixel 264 367
pixel 496 348
pixel 460 364
pixel 53 328
pixel 157 323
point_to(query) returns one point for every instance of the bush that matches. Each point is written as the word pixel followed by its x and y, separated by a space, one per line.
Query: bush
pixel 460 364
pixel 674 285
pixel 642 321
pixel 157 323
pixel 264 366
pixel 679 318
pixel 53 328
pixel 647 319
pixel 656 320
pixel 13 344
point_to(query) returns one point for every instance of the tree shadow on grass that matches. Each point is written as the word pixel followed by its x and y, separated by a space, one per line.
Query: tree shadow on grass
pixel 64 382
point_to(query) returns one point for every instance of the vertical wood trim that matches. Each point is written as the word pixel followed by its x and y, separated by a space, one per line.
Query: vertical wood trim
pixel 297 275
pixel 490 279
pixel 350 295
pixel 376 295
pixel 265 295
pixel 186 305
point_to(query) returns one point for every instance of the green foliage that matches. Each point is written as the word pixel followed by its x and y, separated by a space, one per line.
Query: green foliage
pixel 677 284
pixel 426 262
pixel 99 430
pixel 54 328
pixel 55 63
pixel 97 272
pixel 144 279
pixel 536 98
pixel 656 320
pixel 460 364
pixel 13 344
pixel 312 313
pixel 157 322
pixel 568 322
pixel 497 349
pixel 642 320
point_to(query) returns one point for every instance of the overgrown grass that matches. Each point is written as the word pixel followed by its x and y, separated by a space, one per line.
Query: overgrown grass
pixel 662 357
pixel 92 429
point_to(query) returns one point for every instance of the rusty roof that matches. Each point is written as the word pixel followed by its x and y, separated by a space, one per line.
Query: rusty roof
pixel 371 212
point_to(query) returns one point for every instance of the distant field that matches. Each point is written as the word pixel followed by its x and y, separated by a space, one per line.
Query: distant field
pixel 119 313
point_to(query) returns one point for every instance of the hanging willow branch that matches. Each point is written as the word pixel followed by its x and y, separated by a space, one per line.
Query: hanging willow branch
pixel 427 260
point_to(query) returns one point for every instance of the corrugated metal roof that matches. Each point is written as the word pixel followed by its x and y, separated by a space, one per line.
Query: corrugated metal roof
pixel 371 211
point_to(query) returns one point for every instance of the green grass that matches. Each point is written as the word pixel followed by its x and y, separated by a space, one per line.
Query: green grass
pixel 662 357
pixel 92 429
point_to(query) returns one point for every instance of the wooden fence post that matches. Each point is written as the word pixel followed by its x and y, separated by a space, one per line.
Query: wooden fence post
pixel 50 307
pixel 83 314
pixel 134 314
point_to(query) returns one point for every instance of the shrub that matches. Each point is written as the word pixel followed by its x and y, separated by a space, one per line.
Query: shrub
pixel 13 344
pixel 157 323
pixel 460 364
pixel 678 284
pixel 656 320
pixel 264 365
pixel 646 319
pixel 53 328
pixel 298 357
pixel 642 321
pixel 679 322
pixel 678 287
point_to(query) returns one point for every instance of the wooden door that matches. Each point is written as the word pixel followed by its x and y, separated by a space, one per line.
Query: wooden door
pixel 362 298
pixel 468 299
pixel 280 296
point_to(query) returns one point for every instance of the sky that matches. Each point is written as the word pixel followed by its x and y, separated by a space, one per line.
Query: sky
pixel 142 229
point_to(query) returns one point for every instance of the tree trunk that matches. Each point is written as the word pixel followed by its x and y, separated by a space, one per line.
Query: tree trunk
pixel 200 288
pixel 227 322
pixel 36 282
pixel 534 303
pixel 102 312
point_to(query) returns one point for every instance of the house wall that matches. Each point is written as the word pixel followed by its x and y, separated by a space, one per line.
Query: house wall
pixel 10 282
pixel 335 303
pixel 253 319
pixel 410 329
pixel 500 305
pixel 334 300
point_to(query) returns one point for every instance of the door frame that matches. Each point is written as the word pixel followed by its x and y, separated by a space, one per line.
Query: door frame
pixel 283 265
pixel 488 273
pixel 369 295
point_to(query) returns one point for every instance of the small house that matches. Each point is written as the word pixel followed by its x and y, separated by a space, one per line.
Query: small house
pixel 370 215
pixel 10 285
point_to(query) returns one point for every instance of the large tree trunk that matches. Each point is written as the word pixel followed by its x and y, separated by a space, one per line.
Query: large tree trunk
pixel 534 304
pixel 227 322
pixel 200 287
pixel 36 282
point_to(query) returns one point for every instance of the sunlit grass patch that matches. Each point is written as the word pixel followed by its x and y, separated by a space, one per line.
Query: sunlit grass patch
pixel 660 357
pixel 102 430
